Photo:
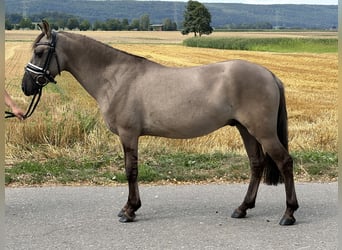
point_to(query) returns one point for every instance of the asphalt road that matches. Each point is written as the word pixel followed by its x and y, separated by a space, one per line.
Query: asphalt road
pixel 171 217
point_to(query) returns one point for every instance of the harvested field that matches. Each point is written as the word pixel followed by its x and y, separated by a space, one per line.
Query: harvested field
pixel 310 81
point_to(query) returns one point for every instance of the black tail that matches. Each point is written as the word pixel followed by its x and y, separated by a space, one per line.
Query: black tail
pixel 272 174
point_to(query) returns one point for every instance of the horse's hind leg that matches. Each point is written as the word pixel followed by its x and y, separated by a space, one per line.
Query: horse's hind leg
pixel 257 163
pixel 284 162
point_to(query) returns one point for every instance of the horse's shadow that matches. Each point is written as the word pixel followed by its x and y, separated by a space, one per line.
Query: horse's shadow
pixel 269 208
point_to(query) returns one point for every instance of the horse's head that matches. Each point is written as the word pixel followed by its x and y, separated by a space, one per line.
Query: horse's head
pixel 44 65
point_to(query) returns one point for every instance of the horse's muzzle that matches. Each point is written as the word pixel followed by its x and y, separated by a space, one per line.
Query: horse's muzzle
pixel 28 85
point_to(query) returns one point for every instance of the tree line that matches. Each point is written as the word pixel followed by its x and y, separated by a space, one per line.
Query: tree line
pixel 197 20
pixel 249 26
pixel 64 21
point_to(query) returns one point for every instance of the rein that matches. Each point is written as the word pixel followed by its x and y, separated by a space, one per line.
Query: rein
pixel 41 76
pixel 31 108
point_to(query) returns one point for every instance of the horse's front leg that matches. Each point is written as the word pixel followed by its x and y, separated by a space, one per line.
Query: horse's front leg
pixel 130 146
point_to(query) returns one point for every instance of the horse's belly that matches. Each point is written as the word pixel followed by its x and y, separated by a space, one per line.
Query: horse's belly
pixel 186 107
pixel 186 126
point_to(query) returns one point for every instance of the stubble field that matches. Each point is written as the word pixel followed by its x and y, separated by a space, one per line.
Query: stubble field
pixel 68 124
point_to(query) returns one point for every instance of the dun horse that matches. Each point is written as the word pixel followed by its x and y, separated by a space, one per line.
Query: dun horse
pixel 139 97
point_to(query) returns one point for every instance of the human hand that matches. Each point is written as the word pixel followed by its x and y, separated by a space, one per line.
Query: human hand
pixel 18 113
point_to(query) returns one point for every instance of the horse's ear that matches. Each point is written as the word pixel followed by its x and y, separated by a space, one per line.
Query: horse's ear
pixel 46 29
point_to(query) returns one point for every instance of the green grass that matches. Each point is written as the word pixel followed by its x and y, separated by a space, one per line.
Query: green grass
pixel 283 45
pixel 161 166
pixel 316 164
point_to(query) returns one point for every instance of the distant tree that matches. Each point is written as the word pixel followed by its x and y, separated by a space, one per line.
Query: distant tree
pixel 113 24
pixel 97 25
pixel 135 24
pixel 264 25
pixel 14 18
pixel 258 25
pixel 169 25
pixel 125 24
pixel 197 19
pixel 53 25
pixel 73 23
pixel 85 25
pixel 144 22
pixel 26 23
pixel 8 24
pixel 61 23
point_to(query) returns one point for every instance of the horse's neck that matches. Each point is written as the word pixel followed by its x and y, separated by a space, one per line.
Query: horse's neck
pixel 97 66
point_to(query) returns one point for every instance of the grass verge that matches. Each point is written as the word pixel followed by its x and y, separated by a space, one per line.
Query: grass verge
pixel 159 167
pixel 282 45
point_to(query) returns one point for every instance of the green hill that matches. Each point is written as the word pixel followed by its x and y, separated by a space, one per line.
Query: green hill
pixel 223 14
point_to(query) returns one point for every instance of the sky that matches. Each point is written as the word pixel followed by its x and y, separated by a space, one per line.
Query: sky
pixel 321 2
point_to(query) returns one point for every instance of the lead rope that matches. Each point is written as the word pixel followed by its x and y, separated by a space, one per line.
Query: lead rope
pixel 32 107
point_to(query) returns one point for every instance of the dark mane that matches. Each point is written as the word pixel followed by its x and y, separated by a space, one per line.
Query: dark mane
pixel 107 46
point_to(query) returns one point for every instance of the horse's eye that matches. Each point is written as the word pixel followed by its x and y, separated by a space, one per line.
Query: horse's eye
pixel 38 53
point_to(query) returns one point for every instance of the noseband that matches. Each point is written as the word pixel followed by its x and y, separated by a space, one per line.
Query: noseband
pixel 41 75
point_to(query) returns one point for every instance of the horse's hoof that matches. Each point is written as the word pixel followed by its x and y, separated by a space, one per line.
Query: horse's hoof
pixel 237 214
pixel 124 218
pixel 121 213
pixel 287 221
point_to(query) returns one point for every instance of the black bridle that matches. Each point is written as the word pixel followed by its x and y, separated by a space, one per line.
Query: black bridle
pixel 41 75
